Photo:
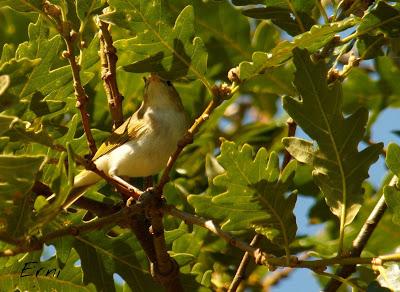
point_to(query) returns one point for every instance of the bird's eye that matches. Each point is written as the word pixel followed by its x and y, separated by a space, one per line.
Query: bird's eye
pixel 169 83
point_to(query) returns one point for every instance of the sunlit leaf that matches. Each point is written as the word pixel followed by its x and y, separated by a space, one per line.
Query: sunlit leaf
pixel 253 185
pixel 171 51
pixel 316 38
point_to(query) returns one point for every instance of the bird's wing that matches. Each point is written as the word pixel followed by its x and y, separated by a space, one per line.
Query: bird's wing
pixel 121 135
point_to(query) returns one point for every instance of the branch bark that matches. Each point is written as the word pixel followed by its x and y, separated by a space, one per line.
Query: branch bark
pixel 82 98
pixel 108 58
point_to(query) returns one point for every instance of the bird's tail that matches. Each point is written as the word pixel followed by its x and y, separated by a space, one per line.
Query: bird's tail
pixel 81 182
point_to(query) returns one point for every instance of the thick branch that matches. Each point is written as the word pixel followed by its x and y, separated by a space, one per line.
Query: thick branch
pixel 361 240
pixel 108 58
pixel 166 271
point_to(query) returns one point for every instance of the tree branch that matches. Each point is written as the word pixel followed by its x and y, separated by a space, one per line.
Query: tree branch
pixel 274 278
pixel 108 58
pixel 240 273
pixel 166 271
pixel 270 261
pixel 361 240
pixel 81 97
pixel 70 37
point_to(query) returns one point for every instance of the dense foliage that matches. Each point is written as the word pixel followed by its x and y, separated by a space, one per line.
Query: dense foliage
pixel 327 67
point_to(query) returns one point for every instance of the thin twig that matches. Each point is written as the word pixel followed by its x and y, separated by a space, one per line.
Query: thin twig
pixel 262 258
pixel 70 37
pixel 80 93
pixel 109 59
pixel 361 240
pixel 274 278
pixel 240 273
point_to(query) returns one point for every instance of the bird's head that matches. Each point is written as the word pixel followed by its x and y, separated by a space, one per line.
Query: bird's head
pixel 161 93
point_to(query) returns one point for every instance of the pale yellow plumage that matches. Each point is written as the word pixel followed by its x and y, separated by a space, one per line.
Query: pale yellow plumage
pixel 142 145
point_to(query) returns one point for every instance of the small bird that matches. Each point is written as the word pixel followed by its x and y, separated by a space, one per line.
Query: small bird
pixel 141 146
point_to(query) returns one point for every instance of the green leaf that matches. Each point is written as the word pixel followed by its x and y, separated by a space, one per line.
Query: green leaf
pixel 393 158
pixel 282 17
pixel 172 52
pixel 389 277
pixel 240 206
pixel 18 72
pixel 128 260
pixel 339 168
pixel 316 38
pixel 301 149
pixel 21 276
pixel 389 85
pixel 370 46
pixel 44 107
pixel 47 77
pixel 360 90
pixel 4 83
pixel 84 8
pixel 279 223
pixel 17 173
pixel 17 176
pixel 19 130
pixel 376 287
pixel 383 16
pixel 188 248
pixel 23 5
pixel 6 123
pixel 392 198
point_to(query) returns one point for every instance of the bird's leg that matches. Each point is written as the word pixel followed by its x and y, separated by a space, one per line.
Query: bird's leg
pixel 122 182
